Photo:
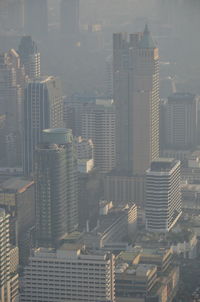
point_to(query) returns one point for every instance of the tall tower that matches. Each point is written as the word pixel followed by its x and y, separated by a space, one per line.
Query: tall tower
pixel 30 57
pixel 36 18
pixel 163 195
pixel 69 16
pixel 136 94
pixel 56 187
pixel 43 108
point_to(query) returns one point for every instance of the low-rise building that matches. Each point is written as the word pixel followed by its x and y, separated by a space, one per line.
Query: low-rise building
pixel 115 224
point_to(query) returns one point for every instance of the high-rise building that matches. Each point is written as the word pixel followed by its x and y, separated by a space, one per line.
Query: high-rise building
pixel 98 124
pixel 136 94
pixel 163 195
pixel 36 18
pixel 69 16
pixel 43 108
pixel 56 190
pixel 11 99
pixel 181 121
pixel 30 57
pixel 70 273
pixel 8 275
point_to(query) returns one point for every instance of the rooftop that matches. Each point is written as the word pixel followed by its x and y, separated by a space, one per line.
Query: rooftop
pixel 16 184
pixel 181 96
pixel 163 164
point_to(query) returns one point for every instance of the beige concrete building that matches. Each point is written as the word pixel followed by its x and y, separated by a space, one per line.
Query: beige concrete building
pixel 69 274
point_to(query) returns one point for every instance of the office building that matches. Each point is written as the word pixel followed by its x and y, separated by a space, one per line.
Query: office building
pixel 69 17
pixel 30 57
pixel 11 100
pixel 163 195
pixel 98 124
pixel 181 121
pixel 70 273
pixel 56 190
pixel 136 94
pixel 17 198
pixel 36 18
pixel 8 276
pixel 43 107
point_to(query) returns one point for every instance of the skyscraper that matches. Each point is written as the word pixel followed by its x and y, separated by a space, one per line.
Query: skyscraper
pixel 43 108
pixel 36 18
pixel 136 94
pixel 8 275
pixel 163 195
pixel 98 124
pixel 56 187
pixel 11 98
pixel 30 57
pixel 69 16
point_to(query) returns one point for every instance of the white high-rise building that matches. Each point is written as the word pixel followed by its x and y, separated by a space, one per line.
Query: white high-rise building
pixel 163 195
pixel 69 274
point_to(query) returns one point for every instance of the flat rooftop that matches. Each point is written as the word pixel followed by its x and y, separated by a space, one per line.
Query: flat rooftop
pixel 16 184
pixel 163 164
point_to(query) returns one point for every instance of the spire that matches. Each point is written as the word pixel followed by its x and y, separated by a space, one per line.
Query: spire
pixel 147 40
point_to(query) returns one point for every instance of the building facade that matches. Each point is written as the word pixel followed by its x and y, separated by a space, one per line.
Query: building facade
pixel 163 195
pixel 43 109
pixel 69 274
pixel 56 190
pixel 98 124
pixel 8 276
pixel 181 121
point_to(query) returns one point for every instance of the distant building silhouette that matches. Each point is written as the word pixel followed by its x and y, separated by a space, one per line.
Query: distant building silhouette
pixel 69 16
pixel 181 121
pixel 36 18
pixel 30 57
